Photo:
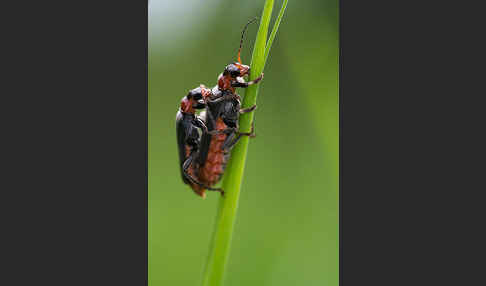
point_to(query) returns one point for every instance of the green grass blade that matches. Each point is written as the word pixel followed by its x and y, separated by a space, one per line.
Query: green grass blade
pixel 221 241
pixel 275 29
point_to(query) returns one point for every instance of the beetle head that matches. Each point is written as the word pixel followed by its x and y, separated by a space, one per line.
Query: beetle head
pixel 195 98
pixel 198 96
pixel 236 69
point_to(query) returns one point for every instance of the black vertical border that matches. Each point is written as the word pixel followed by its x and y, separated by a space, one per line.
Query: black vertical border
pixel 411 156
pixel 75 139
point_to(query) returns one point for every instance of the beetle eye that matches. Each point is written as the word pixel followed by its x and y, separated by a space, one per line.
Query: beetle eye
pixel 235 73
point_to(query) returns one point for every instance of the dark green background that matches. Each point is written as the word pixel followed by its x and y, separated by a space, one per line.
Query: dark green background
pixel 286 231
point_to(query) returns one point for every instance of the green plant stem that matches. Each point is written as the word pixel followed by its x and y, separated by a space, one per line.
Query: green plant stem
pixel 225 219
pixel 274 30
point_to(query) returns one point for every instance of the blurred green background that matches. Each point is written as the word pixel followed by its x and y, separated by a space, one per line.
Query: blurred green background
pixel 286 231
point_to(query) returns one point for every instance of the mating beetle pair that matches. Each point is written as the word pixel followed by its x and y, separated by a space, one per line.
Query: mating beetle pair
pixel 205 141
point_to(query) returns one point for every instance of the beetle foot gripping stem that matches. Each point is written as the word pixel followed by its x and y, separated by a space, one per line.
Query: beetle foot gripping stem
pixel 221 191
pixel 250 134
pixel 201 190
pixel 210 189
pixel 216 190
pixel 248 109
pixel 255 81
pixel 199 187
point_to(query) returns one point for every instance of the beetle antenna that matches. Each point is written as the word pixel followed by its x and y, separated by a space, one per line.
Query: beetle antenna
pixel 242 34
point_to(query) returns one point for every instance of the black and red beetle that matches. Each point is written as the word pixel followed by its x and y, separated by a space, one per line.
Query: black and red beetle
pixel 222 114
pixel 233 74
pixel 202 166
pixel 188 125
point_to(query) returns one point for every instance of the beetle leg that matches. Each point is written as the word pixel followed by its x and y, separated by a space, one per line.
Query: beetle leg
pixel 234 137
pixel 225 131
pixel 215 132
pixel 194 181
pixel 186 165
pixel 199 123
pixel 248 109
pixel 202 125
pixel 224 97
pixel 250 134
pixel 246 84
pixel 209 116
pixel 230 141
pixel 256 80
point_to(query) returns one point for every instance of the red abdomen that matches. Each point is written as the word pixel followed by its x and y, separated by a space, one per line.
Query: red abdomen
pixel 211 172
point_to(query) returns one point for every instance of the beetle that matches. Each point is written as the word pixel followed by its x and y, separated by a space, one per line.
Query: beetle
pixel 221 115
pixel 233 74
pixel 188 127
